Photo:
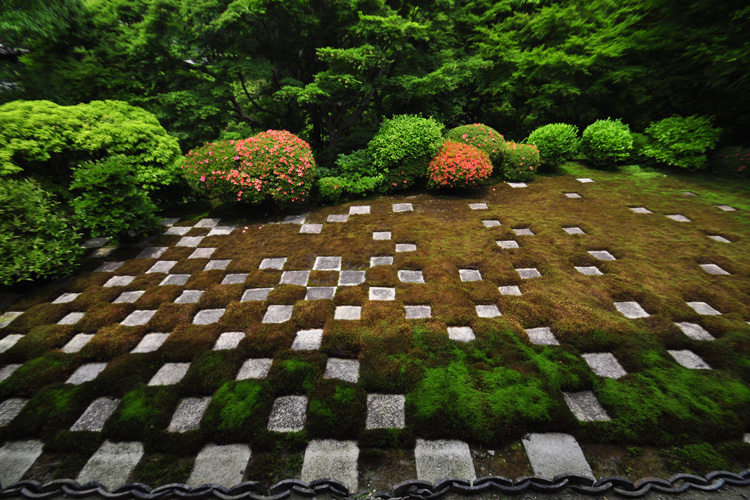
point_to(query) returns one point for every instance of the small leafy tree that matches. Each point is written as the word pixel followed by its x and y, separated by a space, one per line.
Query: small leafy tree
pixel 607 142
pixel 557 142
pixel 681 142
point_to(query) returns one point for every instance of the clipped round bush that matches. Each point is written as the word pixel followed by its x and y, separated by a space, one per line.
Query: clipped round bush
pixel 681 142
pixel 557 142
pixel 353 175
pixel 458 165
pixel 731 161
pixel 402 149
pixel 521 162
pixel 35 240
pixel 606 142
pixel 201 165
pixel 482 137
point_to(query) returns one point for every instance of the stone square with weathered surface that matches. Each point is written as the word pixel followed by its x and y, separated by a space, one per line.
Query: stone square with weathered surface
pixel 331 459
pixel 278 314
pixel 119 281
pixel 311 228
pixel 382 293
pixel 381 235
pixel 542 335
pixel 320 292
pixel 175 279
pixel 359 210
pixel 342 369
pixel 589 270
pixel 604 364
pixel 217 265
pixel 190 241
pixel 352 278
pixel 162 266
pixel 703 309
pixel 689 359
pixel 385 411
pixel 86 373
pixel 528 273
pixel 76 343
pixel 338 218
pixel 478 206
pixel 631 309
pixel 187 417
pixel 273 263
pixel 220 464
pixel 418 312
pixel 308 340
pixel 491 223
pixel 381 261
pixel 470 275
pixel 256 368
pixel 152 252
pixel 402 207
pixel 694 331
pixel 641 210
pixel 128 297
pixel 488 311
pixel 408 276
pixel 602 255
pixel 713 269
pixel 349 313
pixel 255 294
pixel 96 415
pixel 10 408
pixel 208 316
pixel 228 340
pixel 294 278
pixel 66 298
pixel 443 459
pixel 327 264
pixel 573 230
pixel 461 333
pixel 509 290
pixel 288 414
pixel 202 253
pixel 189 297
pixel 524 231
pixel 234 279
pixel 585 406
pixel 150 342
pixel 678 218
pixel 169 374
pixel 551 454
pixel 71 318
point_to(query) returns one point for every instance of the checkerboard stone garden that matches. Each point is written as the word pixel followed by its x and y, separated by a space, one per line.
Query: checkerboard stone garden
pixel 234 342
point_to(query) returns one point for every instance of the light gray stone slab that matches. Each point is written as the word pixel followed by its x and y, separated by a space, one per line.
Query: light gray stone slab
pixel 320 293
pixel 381 261
pixel 234 279
pixel 488 311
pixel 678 218
pixel 175 279
pixel 585 407
pixel 151 252
pixel 96 415
pixel 169 222
pixel 295 219
pixel 589 270
pixel 403 207
pixel 8 370
pixel 112 464
pixel 138 317
pixel 77 342
pixel 470 275
pixel 381 235
pixel 208 316
pixel 288 414
pixel 189 297
pixel 178 230
pixel 8 317
pixel 713 269
pixel 746 438
pixel 311 228
pixel 418 312
pixel 382 293
pixel 100 253
pixel 327 264
pixel 208 222
pixel 66 298
pixel 405 247
pixel 119 281
pixel 162 266
pixel 689 360
pixel 86 373
pixel 584 180
pixel 277 314
pixel 217 265
pixel 169 374
pixel 688 193
pixel 491 223
pixel 352 278
pixel 509 290
pixel 187 417
pixel 150 342
pixel 95 242
pixel 256 368
pixel 703 308
pixel 604 364
pixel 461 333
pixel 602 255
pixel 385 411
pixel 528 273
pixel 221 231
pixel 308 340
pixel 16 458
pixel 361 209
pixel 295 278
pixel 109 267
pixel 573 230
pixel 443 459
pixel 640 210
pixel 128 297
pixel 228 340
pixel 223 465
pixel 342 369
pixel 552 454
pixel 190 241
pixel 720 239
pixel 71 318
pixel 573 196
pixel 10 408
pixel 348 313
pixel 338 218
pixel 9 341
pixel 407 276
pixel 276 263
pixel 517 185
pixel 329 459
pixel 695 331
pixel 542 336
pixel 507 244
pixel 202 253
pixel 726 208
pixel 478 206
pixel 255 294
pixel 525 231
pixel 631 309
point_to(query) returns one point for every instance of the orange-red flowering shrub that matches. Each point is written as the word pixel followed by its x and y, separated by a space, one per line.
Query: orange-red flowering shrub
pixel 521 162
pixel 458 165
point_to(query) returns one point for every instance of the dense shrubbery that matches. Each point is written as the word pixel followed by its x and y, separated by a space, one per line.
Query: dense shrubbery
pixel 732 161
pixel 484 138
pixel 202 164
pixel 521 162
pixel 557 142
pixel 681 142
pixel 458 165
pixel 402 149
pixel 606 142
pixel 35 241
pixel 353 175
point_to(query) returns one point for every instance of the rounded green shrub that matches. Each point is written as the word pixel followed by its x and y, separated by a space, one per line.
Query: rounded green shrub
pixel 201 167
pixel 482 137
pixel 36 241
pixel 458 165
pixel 402 150
pixel 606 142
pixel 521 162
pixel 681 142
pixel 557 142
pixel 353 175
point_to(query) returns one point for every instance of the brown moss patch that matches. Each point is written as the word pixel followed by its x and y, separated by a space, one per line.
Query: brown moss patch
pixel 170 316
pixel 351 295
pixel 158 295
pixel 323 278
pixel 203 279
pixel 312 313
pixel 102 315
pixel 111 341
pixel 264 341
pixel 187 341
pixel 220 296
pixel 239 316
pixel 39 340
pixel 189 266
pixel 42 314
pixel 263 278
pixel 286 294
pixel 341 339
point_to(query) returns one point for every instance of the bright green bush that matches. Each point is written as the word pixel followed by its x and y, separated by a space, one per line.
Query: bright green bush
pixel 681 142
pixel 202 164
pixel 35 240
pixel 521 162
pixel 402 149
pixel 557 142
pixel 731 161
pixel 458 165
pixel 606 142
pixel 353 175
pixel 108 200
pixel 484 138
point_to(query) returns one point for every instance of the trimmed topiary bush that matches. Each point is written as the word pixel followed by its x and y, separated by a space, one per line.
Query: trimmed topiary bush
pixel 402 150
pixel 521 162
pixel 484 138
pixel 201 165
pixel 606 143
pixel 557 142
pixel 458 165
pixel 354 175
pixel 681 142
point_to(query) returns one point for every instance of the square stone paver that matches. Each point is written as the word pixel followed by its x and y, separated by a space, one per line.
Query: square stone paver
pixel 109 267
pixel 352 278
pixel 403 207
pixel 631 309
pixel 573 195
pixel 703 309
pixel 678 218
pixel 66 298
pixel 407 276
pixel 228 340
pixel 478 206
pixel 151 252
pixel 178 230
pixel 361 210
pixel 584 180
pixel 525 231
pixel 713 269
pixel 276 263
pixel 138 317
pixel 470 275
pixel 187 417
pixel 338 218
pixel 602 255
pixel 718 238
pixel 589 270
pixel 585 406
pixel 220 464
pixel 10 408
pixel 552 454
pixel 405 247
pixel 507 244
pixel 17 457
pixel 202 253
pixel 573 230
pixel 695 331
pixel 604 364
pixel 189 297
pixel 8 370
pixel 95 242
pixel 528 273
pixel 77 342
pixel 689 360
pixel 277 314
pixel 190 241
pixel 71 318
pixel 418 312
pixel 327 458
pixel 9 341
pixel 96 415
pixel 386 411
pixel 234 279
pixel 102 252
pixel 217 265
pixel 150 342
pixel 381 235
pixel 221 230
pixel 461 333
pixel 294 278
pixel 308 340
pixel 295 219
pixel 311 228
pixel 517 185
pixel 443 459
pixel 128 297
pixel 288 414
pixel 640 210
pixel 542 336
pixel 320 293
pixel 112 464
pixel 208 222
pixel 256 368
pixel 726 208
pixel 175 279
pixel 491 223
pixel 208 316
pixel 488 311
pixel 169 374
pixel 342 369
pixel 162 266
pixel 382 293
pixel 255 294
pixel 119 281
pixel 509 290
pixel 86 373
pixel 350 313
pixel 381 261
pixel 327 264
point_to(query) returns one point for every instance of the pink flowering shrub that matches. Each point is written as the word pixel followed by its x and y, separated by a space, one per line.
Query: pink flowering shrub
pixel 482 137
pixel 458 165
pixel 521 162
pixel 274 165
